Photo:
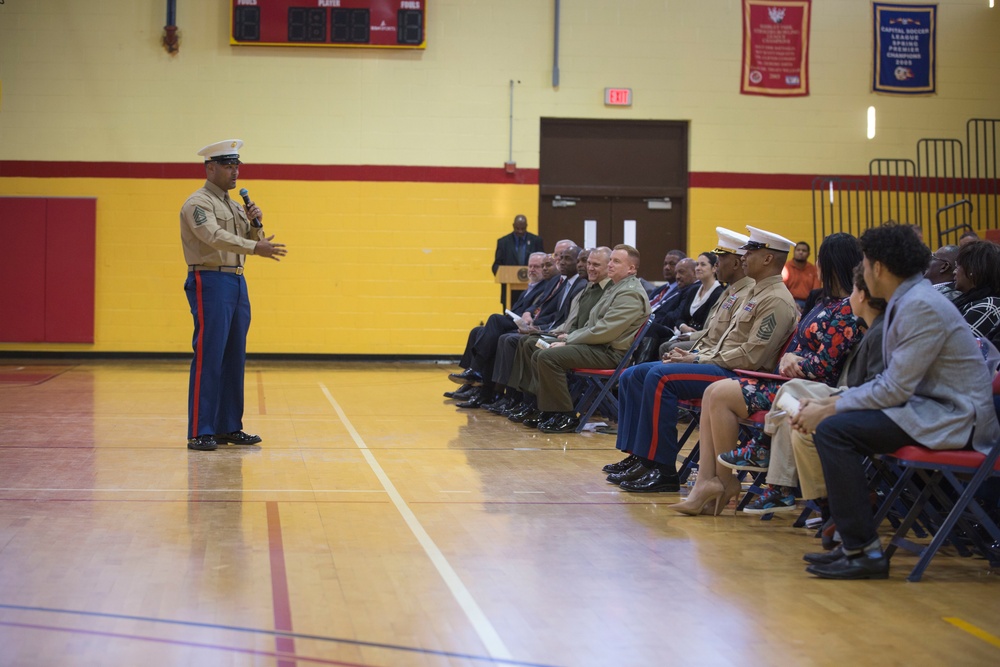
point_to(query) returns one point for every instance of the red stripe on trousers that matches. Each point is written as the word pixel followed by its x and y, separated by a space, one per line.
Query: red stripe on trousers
pixel 197 354
pixel 656 403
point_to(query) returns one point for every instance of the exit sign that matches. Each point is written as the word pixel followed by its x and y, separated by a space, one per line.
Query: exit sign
pixel 618 97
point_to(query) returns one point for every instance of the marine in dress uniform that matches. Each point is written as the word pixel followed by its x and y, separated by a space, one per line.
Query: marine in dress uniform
pixel 217 235
pixel 753 340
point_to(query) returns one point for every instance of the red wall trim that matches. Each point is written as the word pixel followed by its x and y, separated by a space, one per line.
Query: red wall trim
pixel 720 179
pixel 268 172
pixel 395 173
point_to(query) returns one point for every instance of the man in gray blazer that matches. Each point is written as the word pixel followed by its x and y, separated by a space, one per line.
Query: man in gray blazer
pixel 935 391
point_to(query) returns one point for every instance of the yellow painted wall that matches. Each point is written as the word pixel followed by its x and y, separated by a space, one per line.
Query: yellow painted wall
pixel 373 268
pixel 402 268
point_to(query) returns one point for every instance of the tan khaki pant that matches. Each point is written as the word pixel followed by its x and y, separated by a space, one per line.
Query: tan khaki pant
pixel 794 461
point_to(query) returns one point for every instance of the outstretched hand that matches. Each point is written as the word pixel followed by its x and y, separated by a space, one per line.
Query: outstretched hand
pixel 265 248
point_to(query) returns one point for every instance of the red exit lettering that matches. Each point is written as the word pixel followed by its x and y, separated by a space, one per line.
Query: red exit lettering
pixel 619 97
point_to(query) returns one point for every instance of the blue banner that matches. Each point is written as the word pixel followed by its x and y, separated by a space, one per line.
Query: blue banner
pixel 905 48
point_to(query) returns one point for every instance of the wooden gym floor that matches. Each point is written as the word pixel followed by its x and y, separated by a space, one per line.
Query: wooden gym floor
pixel 378 525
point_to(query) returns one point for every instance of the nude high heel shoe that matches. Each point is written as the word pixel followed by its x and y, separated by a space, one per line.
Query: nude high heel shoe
pixel 700 496
pixel 732 487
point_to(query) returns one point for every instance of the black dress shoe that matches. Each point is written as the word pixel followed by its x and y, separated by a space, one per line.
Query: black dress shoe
pixel 238 438
pixel 825 557
pixel 622 465
pixel 475 400
pixel 656 479
pixel 534 418
pixel 521 414
pixel 853 567
pixel 635 472
pixel 468 376
pixel 461 393
pixel 499 406
pixel 550 419
pixel 203 443
pixel 511 409
pixel 565 423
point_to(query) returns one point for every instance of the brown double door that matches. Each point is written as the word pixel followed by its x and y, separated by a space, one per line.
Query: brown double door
pixel 629 178
pixel 653 228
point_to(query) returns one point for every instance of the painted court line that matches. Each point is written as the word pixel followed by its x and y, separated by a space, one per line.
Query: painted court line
pixel 487 633
pixel 978 633
pixel 284 658
pixel 260 631
pixel 243 490
pixel 279 585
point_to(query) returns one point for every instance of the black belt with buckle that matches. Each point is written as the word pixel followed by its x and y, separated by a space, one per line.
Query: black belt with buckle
pixel 238 270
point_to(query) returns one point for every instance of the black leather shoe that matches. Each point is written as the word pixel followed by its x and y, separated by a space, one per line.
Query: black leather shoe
pixel 853 567
pixel 238 438
pixel 498 406
pixel 475 400
pixel 511 409
pixel 655 479
pixel 521 414
pixel 549 419
pixel 825 557
pixel 203 443
pixel 635 472
pixel 461 393
pixel 565 423
pixel 534 418
pixel 622 465
pixel 468 376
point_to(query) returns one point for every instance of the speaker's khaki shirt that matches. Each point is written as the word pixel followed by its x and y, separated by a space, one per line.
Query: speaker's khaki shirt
pixel 215 230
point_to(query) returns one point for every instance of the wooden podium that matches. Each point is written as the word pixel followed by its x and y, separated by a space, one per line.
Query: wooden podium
pixel 512 278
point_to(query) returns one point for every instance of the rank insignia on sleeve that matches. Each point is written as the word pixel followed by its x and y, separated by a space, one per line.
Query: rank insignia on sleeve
pixel 200 217
pixel 766 329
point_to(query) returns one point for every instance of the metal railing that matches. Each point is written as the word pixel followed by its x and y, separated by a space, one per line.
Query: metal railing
pixel 950 188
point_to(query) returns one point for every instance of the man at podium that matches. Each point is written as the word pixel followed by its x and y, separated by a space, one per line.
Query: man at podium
pixel 514 250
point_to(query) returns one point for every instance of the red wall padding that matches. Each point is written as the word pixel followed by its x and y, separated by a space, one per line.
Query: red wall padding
pixel 47 278
pixel 69 270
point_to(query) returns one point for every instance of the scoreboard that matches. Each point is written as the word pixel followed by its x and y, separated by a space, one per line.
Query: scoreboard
pixel 387 24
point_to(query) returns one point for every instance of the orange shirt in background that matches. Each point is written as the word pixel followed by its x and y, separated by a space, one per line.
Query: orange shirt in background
pixel 800 281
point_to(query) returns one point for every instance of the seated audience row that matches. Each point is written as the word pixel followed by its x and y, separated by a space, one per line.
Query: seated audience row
pixel 882 358
pixel 926 384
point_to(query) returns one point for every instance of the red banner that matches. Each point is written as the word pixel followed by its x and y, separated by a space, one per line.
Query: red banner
pixel 776 48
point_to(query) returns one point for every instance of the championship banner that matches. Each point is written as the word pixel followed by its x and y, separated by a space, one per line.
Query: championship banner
pixel 776 48
pixel 905 48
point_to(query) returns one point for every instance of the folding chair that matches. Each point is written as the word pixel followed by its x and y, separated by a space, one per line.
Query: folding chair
pixel 598 382
pixel 934 467
pixel 965 472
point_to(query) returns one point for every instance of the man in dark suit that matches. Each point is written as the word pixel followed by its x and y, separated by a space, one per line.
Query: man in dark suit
pixel 539 265
pixel 484 348
pixel 552 315
pixel 514 250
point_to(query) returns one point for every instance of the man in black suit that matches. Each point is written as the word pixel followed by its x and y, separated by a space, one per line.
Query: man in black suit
pixel 552 315
pixel 484 348
pixel 514 250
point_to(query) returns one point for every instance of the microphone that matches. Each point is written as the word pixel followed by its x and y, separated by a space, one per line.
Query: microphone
pixel 246 200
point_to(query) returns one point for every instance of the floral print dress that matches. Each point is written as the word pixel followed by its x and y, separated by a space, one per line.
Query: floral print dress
pixel 823 339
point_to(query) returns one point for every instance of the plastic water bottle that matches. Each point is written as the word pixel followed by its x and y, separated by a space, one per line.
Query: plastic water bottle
pixel 692 477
